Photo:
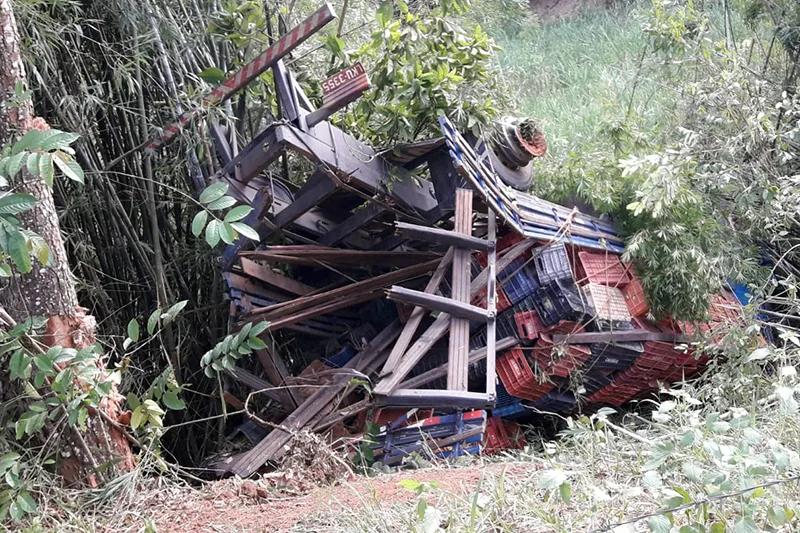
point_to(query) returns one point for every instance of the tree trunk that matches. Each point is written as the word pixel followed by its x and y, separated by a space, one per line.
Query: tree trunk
pixel 49 291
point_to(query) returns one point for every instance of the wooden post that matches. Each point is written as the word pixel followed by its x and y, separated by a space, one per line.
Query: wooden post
pixel 457 370
pixel 491 296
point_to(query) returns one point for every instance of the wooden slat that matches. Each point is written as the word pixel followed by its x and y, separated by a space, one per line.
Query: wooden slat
pixel 442 236
pixel 246 464
pixel 320 189
pixel 417 314
pixel 305 314
pixel 272 278
pixel 254 382
pixel 437 303
pixel 334 256
pixel 345 413
pixel 441 325
pixel 437 398
pixel 277 373
pixel 441 371
pixel 458 352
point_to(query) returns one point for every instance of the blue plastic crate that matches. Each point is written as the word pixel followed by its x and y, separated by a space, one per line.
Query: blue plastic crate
pixel 594 382
pixel 503 396
pixel 340 358
pixel 518 281
pixel 552 263
pixel 511 411
pixel 555 401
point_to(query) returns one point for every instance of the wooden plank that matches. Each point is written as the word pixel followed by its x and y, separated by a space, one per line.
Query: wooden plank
pixel 254 382
pixel 361 217
pixel 334 256
pixel 248 286
pixel 437 303
pixel 319 188
pixel 441 371
pixel 441 325
pixel 336 305
pixel 442 236
pixel 367 285
pixel 417 314
pixel 491 296
pixel 343 414
pixel 246 464
pixel 270 277
pixel 437 398
pixel 285 92
pixel 458 351
pixel 635 335
pixel 277 373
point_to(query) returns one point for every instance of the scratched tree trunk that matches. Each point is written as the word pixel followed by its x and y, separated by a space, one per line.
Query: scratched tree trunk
pixel 50 291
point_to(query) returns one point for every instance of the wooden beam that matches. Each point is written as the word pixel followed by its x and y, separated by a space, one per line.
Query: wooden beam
pixel 277 373
pixel 634 335
pixel 319 188
pixel 248 463
pixel 254 382
pixel 437 398
pixel 442 236
pixel 305 314
pixel 358 219
pixel 441 325
pixel 437 303
pixel 441 371
pixel 343 414
pixel 360 287
pixel 270 277
pixel 417 314
pixel 285 93
pixel 335 256
pixel 458 350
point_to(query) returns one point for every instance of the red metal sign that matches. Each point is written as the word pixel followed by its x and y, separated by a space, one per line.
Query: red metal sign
pixel 344 86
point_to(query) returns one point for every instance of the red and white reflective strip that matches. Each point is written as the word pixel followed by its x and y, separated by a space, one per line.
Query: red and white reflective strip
pixel 252 70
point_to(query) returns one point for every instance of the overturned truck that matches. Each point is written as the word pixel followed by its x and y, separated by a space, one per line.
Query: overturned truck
pixel 421 288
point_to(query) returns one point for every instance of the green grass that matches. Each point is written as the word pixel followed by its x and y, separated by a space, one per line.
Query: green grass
pixel 576 75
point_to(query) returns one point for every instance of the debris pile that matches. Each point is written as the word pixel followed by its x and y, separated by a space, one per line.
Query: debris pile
pixel 402 284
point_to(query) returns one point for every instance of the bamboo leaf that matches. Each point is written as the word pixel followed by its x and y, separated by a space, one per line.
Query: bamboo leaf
pixel 152 321
pixel 212 75
pixel 14 203
pixel 238 213
pixel 56 140
pixel 246 231
pixel 199 222
pixel 213 192
pixel 69 166
pixel 173 311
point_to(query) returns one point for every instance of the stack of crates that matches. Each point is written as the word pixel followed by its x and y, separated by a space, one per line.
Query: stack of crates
pixel 501 435
pixel 518 376
pixel 556 402
pixel 602 269
pixel 559 361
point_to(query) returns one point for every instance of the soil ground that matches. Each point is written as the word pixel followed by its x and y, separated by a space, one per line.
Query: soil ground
pixel 237 506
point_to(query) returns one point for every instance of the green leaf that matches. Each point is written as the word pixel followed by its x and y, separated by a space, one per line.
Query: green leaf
pixel 133 400
pixel 133 330
pixel 659 524
pixel 246 231
pixel 212 233
pixel 15 163
pixel 238 213
pixel 46 168
pixel 226 233
pixel 259 328
pixel 759 354
pixel 213 192
pixel 745 524
pixel 212 75
pixel 692 528
pixel 172 401
pixel 33 163
pixel 5 270
pixel 7 460
pixel 30 140
pixel 776 516
pixel 565 490
pixel 68 166
pixel 152 321
pixel 410 484
pixel 717 527
pixel 222 203
pixel 138 417
pixel 18 251
pixel 16 203
pixel 56 140
pixel 256 344
pixel 173 311
pixel 651 480
pixel 199 222
pixel 552 479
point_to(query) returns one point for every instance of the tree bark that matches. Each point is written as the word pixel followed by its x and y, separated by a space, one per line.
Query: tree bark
pixel 49 291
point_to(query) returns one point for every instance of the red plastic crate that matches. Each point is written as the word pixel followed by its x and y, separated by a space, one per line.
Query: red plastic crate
pixel 518 377
pixel 515 435
pixel 528 325
pixel 602 268
pixel 506 241
pixel 495 439
pixel 573 357
pixel 635 298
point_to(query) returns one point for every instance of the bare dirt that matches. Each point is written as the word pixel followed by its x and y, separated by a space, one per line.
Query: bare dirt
pixel 244 506
pixel 553 10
